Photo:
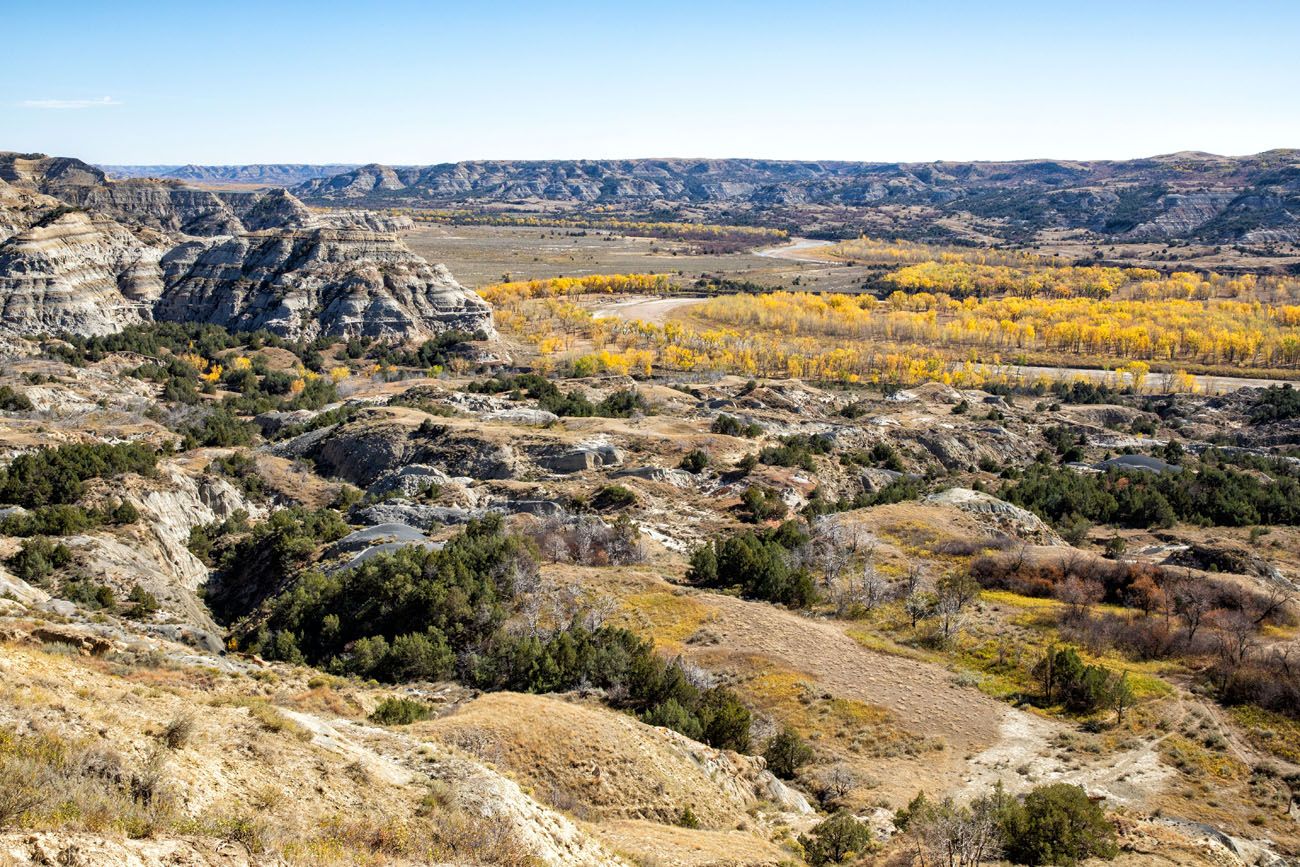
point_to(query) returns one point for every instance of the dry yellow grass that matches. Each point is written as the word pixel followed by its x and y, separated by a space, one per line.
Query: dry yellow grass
pixel 669 617
pixel 618 770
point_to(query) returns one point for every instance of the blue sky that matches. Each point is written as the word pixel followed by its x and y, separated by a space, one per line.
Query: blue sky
pixel 424 82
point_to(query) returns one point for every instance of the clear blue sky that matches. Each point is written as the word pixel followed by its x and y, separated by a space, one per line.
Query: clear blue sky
pixel 423 82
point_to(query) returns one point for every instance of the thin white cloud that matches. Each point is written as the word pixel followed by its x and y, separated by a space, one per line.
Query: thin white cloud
pixel 61 104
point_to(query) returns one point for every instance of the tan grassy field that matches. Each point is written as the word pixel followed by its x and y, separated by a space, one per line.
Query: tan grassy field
pixel 482 255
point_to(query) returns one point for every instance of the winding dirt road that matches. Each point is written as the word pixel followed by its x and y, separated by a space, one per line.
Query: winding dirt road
pixel 791 251
pixel 642 309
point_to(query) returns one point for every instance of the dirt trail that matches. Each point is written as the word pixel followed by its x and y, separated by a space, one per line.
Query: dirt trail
pixel 790 252
pixel 985 739
pixel 1024 757
pixel 923 697
pixel 653 310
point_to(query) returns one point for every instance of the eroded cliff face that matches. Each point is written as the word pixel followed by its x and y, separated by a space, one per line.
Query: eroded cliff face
pixel 82 254
pixel 77 272
pixel 309 282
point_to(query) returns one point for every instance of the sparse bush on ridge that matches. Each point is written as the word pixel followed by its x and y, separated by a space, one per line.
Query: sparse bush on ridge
pixel 695 461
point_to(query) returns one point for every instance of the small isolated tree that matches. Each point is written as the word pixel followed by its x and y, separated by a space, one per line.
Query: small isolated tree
pixel 1057 824
pixel 145 602
pixel 964 836
pixel 1192 601
pixel 836 840
pixel 862 593
pixel 953 593
pixel 919 605
pixel 1067 679
pixel 786 753
pixel 835 784
pixel 1121 696
pixel 1234 639
pixel 831 548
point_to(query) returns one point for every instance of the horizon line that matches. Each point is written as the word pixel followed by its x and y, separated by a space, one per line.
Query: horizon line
pixel 405 165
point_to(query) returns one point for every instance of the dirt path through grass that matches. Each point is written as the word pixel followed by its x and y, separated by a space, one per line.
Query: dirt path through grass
pixel 985 740
pixel 923 697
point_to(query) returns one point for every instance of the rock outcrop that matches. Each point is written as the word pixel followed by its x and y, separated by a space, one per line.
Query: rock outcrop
pixel 74 271
pixel 1001 516
pixel 153 553
pixel 83 254
pixel 307 282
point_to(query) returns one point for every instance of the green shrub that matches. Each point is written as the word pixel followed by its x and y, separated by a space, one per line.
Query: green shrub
pixel 786 753
pixel 400 712
pixel 241 468
pixel 1057 824
pixel 1214 494
pixel 1276 403
pixel 144 602
pixel 729 425
pixel 622 404
pixel 204 539
pixel 613 497
pixel 14 401
pixel 759 503
pixel 1068 680
pixel 695 461
pixel 39 557
pixel 549 397
pixel 124 513
pixel 56 520
pixel 51 476
pixel 434 352
pixel 897 491
pixel 264 561
pixel 796 450
pixel 757 563
pixel 836 840
pixel 220 427
pixel 88 594
pixel 429 614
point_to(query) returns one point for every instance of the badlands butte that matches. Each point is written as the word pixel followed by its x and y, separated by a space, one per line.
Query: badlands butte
pixel 651 512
